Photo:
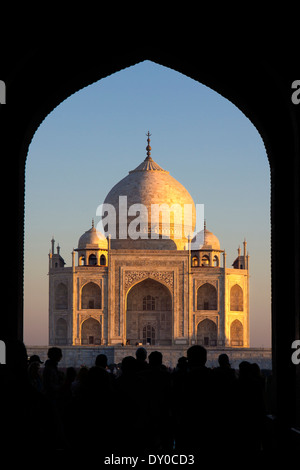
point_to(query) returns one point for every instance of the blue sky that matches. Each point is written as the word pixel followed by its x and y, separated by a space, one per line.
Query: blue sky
pixel 92 139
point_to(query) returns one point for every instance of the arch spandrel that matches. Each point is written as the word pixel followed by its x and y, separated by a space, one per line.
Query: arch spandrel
pixel 132 278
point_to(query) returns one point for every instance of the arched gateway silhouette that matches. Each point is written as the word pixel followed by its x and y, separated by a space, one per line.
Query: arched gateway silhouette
pixel 263 97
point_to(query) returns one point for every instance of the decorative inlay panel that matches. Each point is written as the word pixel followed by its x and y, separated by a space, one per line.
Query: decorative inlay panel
pixel 132 277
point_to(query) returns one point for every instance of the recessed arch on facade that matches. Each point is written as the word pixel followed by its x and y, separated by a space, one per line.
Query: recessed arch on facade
pixel 81 260
pixel 236 298
pixel 102 260
pixel 195 261
pixel 149 313
pixel 207 297
pixel 91 332
pixel 92 260
pixel 61 296
pixel 91 296
pixel 205 260
pixel 207 333
pixel 236 333
pixel 61 331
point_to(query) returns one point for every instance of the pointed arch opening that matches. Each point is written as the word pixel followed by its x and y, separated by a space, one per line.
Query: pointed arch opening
pixel 207 297
pixel 92 260
pixel 236 334
pixel 61 296
pixel 91 332
pixel 149 313
pixel 91 297
pixel 102 260
pixel 61 332
pixel 236 298
pixel 207 333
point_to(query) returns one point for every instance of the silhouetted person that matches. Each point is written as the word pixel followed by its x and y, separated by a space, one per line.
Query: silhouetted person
pixel 35 358
pixel 65 404
pixel 178 376
pixel 141 356
pixel 52 382
pixel 130 401
pixel 101 361
pixel 157 405
pixel 80 383
pixel 34 376
pixel 177 382
pixel 196 408
pixel 225 398
pixel 23 411
pixel 224 374
pixel 95 410
pixel 182 363
pixel 65 392
pixel 251 405
pixel 52 378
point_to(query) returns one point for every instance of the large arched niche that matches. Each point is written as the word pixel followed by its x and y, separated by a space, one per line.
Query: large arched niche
pixel 149 313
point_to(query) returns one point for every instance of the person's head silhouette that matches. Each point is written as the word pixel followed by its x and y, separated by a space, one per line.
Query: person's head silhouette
pixel 196 356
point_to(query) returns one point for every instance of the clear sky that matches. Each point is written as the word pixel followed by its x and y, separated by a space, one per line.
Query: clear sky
pixel 92 139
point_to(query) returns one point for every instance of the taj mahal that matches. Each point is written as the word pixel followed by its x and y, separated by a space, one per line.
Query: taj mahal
pixel 164 291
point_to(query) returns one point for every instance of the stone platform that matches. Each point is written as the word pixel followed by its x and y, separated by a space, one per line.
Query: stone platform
pixel 77 356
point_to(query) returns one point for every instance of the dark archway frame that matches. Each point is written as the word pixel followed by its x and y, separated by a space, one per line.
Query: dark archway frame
pixel 258 81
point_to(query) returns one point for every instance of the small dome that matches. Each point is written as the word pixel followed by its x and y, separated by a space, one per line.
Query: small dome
pixel 205 240
pixel 92 238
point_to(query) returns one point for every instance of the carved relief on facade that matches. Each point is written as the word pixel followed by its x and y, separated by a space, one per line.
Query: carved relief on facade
pixel 200 282
pixel 131 277
pixel 86 280
pixel 86 316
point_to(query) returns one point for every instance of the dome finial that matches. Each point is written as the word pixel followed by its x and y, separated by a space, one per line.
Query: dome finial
pixel 92 222
pixel 148 148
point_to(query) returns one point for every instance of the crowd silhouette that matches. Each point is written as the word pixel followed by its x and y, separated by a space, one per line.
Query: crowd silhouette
pixel 139 406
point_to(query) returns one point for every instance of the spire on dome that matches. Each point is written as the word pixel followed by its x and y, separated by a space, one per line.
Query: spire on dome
pixel 204 232
pixel 148 148
pixel 148 164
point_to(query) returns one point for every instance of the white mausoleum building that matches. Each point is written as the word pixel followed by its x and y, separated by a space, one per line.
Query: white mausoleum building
pixel 162 289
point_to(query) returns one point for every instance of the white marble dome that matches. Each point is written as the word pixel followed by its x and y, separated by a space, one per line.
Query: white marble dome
pixel 149 184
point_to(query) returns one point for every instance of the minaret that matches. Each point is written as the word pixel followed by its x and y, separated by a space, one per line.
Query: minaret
pixel 245 254
pixel 73 260
pixel 52 243
pixel 55 259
